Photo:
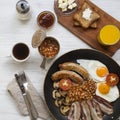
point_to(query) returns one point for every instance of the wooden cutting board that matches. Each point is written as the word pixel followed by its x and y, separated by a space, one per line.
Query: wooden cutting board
pixel 89 35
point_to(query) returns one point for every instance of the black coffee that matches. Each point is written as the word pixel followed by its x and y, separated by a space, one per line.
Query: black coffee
pixel 20 51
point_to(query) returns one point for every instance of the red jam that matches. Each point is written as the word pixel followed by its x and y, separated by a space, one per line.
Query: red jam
pixel 45 19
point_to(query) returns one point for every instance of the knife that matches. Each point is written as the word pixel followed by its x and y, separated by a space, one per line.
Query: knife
pixel 22 83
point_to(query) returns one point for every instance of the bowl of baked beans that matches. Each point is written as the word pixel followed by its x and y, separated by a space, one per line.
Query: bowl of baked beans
pixel 48 48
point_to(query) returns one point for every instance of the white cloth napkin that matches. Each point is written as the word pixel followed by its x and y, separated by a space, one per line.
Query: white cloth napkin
pixel 38 102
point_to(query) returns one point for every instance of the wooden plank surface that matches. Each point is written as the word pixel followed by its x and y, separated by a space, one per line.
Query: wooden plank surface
pixel 89 35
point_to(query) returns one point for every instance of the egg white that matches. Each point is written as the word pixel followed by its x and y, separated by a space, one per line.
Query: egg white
pixel 111 96
pixel 91 66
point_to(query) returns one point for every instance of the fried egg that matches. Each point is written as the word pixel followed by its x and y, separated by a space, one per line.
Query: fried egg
pixel 107 92
pixel 97 70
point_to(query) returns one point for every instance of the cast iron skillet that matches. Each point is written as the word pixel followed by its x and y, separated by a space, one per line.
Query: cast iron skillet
pixel 73 56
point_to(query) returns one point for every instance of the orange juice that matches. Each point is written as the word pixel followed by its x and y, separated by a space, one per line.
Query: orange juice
pixel 109 35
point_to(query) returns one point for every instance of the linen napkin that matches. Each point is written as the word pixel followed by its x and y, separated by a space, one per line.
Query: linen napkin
pixel 38 102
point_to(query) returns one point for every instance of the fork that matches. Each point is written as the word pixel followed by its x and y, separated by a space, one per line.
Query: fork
pixel 23 84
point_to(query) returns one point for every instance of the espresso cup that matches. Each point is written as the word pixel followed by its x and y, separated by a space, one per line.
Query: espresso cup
pixel 20 52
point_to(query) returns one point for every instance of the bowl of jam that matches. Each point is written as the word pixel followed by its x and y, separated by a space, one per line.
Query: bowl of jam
pixel 45 19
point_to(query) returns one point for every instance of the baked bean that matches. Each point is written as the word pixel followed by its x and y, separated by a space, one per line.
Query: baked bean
pixel 49 47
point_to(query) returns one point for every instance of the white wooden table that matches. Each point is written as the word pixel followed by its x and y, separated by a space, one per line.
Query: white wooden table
pixel 13 30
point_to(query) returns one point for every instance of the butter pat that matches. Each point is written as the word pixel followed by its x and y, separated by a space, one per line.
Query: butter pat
pixel 64 9
pixel 70 2
pixel 87 14
pixel 73 5
pixel 63 5
pixel 60 1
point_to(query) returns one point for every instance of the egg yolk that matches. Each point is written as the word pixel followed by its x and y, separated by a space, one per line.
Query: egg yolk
pixel 102 71
pixel 103 88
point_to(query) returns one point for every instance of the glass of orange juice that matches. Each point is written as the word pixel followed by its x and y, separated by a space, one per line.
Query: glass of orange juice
pixel 109 35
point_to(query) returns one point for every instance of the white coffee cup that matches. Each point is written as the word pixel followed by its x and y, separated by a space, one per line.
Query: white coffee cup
pixel 20 52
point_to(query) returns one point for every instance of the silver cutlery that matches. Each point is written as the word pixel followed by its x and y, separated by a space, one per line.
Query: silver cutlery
pixel 23 84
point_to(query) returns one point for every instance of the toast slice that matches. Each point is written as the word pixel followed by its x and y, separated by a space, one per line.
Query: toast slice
pixel 85 16
pixel 93 25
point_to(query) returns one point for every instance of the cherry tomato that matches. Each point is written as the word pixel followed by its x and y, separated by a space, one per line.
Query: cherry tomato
pixel 65 84
pixel 112 79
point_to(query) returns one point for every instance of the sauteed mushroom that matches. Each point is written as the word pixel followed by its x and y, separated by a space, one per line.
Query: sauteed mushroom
pixel 66 101
pixel 56 85
pixel 64 109
pixel 59 102
pixel 56 94
pixel 63 93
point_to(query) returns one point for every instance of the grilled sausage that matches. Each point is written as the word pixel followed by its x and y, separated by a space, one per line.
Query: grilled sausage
pixel 67 74
pixel 75 67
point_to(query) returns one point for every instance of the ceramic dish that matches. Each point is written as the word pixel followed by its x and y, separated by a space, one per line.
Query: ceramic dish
pixel 46 19
pixel 73 56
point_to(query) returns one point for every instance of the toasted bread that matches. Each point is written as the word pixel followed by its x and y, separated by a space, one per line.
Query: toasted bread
pixel 86 21
pixel 93 25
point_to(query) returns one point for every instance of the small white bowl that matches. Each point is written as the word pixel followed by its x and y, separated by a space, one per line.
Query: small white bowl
pixel 20 52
